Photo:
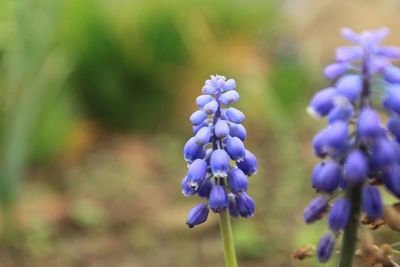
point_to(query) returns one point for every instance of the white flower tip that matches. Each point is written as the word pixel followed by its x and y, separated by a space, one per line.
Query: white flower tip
pixel 313 113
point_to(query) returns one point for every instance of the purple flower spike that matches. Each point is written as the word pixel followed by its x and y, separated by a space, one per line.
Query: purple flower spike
pixel 218 163
pixel 197 215
pixel 325 247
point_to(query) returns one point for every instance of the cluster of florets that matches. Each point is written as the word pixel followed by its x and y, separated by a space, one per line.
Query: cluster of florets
pixel 356 149
pixel 218 142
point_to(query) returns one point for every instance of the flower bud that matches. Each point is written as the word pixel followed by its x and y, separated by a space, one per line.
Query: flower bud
pixel 238 130
pixel 321 103
pixel 203 99
pixel 383 154
pixel 325 247
pixel 197 215
pixel 356 167
pixel 218 198
pixel 211 107
pixel 392 52
pixel 237 180
pixel 369 127
pixel 219 163
pixel 221 129
pixel 187 190
pixel 339 215
pixel 245 204
pixel 342 111
pixel 203 136
pixel 232 206
pixel 315 209
pixel 392 74
pixel 235 148
pixel 392 99
pixel 348 53
pixel 209 89
pixel 198 117
pixel 332 71
pixel 191 150
pixel 229 85
pixel 249 164
pixel 391 179
pixel 349 86
pixel 197 173
pixel 328 177
pixel 235 115
pixel 229 97
pixel 350 35
pixel 394 126
pixel 205 188
pixel 196 128
pixel 372 202
pixel 332 140
pixel 315 182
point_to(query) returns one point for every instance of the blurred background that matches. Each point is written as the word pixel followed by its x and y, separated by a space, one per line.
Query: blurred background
pixel 95 97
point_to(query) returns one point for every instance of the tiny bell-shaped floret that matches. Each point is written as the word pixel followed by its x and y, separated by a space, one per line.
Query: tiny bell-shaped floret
pixel 198 117
pixel 332 140
pixel 372 202
pixel 356 167
pixel 394 126
pixel 211 107
pixel 326 247
pixel 235 115
pixel 229 85
pixel 332 71
pixel 368 126
pixel 316 174
pixel 392 99
pixel 238 130
pixel 203 136
pixel 339 214
pixel 187 190
pixel 245 204
pixel 321 103
pixel 249 164
pixel 329 177
pixel 203 99
pixel 391 179
pixel 205 188
pixel 342 111
pixel 315 209
pixel 392 74
pixel 383 154
pixel 219 163
pixel 237 180
pixel 232 206
pixel 348 53
pixel 197 215
pixel 197 128
pixel 229 97
pixel 218 198
pixel 349 86
pixel 191 150
pixel 221 129
pixel 235 148
pixel 197 173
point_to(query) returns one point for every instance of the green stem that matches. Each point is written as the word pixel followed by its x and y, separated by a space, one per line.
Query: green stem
pixel 227 238
pixel 350 233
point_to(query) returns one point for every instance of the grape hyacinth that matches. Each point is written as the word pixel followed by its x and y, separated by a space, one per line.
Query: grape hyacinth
pixel 359 154
pixel 219 164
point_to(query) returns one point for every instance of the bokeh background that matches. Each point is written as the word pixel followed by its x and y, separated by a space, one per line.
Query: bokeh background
pixel 95 97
